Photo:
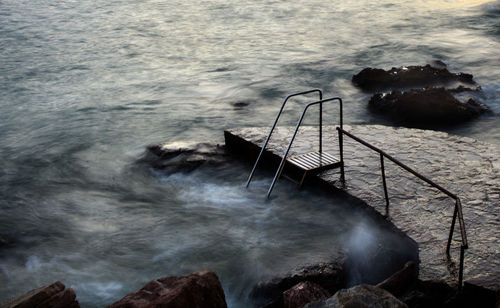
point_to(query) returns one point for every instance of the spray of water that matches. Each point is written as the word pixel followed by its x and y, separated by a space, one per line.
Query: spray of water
pixel 373 254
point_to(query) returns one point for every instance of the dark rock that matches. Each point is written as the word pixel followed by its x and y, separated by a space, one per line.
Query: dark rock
pixel 370 79
pixel 438 64
pixel 51 296
pixel 303 293
pixel 329 275
pixel 427 106
pixel 360 296
pixel 461 89
pixel 429 294
pixel 438 294
pixel 398 283
pixel 373 264
pixel 200 289
pixel 240 104
pixel 476 296
pixel 184 156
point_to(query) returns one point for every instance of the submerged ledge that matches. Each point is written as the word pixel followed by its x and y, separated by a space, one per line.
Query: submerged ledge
pixel 466 167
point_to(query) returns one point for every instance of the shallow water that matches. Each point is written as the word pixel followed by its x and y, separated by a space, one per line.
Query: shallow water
pixel 87 86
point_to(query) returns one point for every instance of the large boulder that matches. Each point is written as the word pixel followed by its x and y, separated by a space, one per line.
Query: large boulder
pixel 303 293
pixel 374 79
pixel 55 295
pixel 426 106
pixel 402 280
pixel 360 296
pixel 197 290
pixel 329 275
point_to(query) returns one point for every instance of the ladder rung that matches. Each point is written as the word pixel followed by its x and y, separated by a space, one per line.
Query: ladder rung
pixel 313 160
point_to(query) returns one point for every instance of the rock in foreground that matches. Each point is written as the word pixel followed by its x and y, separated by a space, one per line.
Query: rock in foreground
pixel 373 79
pixel 427 106
pixel 303 293
pixel 329 275
pixel 51 296
pixel 197 290
pixel 400 281
pixel 360 296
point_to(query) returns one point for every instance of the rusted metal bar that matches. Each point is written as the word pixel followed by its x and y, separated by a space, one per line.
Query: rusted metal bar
pixel 385 185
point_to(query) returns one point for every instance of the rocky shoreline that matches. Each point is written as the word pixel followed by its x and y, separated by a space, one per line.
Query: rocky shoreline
pixel 314 286
pixel 418 95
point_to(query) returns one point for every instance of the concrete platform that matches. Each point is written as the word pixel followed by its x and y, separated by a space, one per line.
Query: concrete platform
pixel 466 167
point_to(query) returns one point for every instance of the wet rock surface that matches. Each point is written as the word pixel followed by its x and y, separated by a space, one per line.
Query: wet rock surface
pixel 464 166
pixel 328 275
pixel 184 156
pixel 197 290
pixel 303 293
pixel 360 296
pixel 374 79
pixel 55 295
pixel 422 96
pixel 426 106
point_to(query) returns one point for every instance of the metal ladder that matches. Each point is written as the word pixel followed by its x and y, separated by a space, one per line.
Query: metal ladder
pixel 307 162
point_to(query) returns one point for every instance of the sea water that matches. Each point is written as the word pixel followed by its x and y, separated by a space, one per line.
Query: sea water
pixel 85 86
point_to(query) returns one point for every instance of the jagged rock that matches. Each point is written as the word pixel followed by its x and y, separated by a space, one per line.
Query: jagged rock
pixel 197 290
pixel 329 275
pixel 184 156
pixel 370 79
pixel 360 296
pixel 428 106
pixel 400 281
pixel 432 293
pixel 54 295
pixel 303 293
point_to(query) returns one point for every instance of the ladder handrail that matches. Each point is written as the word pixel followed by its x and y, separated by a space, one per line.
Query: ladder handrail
pixel 274 126
pixel 282 163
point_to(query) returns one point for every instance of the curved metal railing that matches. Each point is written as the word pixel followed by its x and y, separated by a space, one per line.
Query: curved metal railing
pixel 282 163
pixel 276 122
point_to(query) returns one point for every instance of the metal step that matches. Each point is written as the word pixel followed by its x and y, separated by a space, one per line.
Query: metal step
pixel 314 160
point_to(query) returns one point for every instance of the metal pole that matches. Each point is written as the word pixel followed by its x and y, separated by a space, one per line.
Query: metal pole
pixel 385 185
pixel 458 205
pixel 276 176
pixel 452 228
pixel 282 163
pixel 274 126
pixel 320 125
pixel 461 268
pixel 341 148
